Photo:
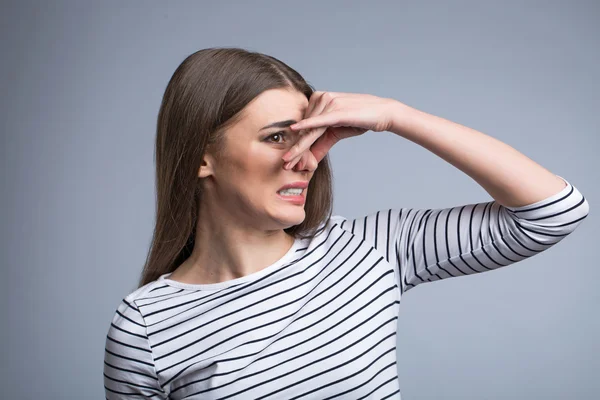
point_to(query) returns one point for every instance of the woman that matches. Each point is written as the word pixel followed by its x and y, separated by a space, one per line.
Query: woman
pixel 252 292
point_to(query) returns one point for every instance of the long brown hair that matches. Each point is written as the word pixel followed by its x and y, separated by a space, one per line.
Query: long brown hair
pixel 203 98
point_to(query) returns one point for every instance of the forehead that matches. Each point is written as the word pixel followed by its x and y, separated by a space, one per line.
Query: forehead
pixel 275 105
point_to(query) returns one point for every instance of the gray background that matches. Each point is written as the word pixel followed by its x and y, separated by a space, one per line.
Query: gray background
pixel 81 87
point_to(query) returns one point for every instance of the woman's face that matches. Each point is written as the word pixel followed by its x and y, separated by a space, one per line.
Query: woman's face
pixel 245 181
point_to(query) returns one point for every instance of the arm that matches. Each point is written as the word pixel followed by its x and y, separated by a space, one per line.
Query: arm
pixel 533 209
pixel 426 245
pixel 128 363
pixel 510 177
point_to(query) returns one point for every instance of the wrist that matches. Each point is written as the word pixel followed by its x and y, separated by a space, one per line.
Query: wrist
pixel 401 116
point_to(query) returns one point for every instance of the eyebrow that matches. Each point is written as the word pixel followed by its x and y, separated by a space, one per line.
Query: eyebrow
pixel 280 124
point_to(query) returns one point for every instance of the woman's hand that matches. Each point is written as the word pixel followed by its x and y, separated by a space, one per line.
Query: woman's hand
pixel 332 116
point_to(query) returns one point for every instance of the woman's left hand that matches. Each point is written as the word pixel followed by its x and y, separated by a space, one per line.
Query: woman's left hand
pixel 333 116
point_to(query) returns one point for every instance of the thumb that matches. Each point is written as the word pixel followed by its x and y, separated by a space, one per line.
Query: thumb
pixel 321 146
pixel 307 160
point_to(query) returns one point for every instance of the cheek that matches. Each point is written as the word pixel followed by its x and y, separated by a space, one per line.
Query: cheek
pixel 256 168
pixel 265 162
pixel 252 174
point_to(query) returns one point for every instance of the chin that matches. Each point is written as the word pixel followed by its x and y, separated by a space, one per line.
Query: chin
pixel 289 218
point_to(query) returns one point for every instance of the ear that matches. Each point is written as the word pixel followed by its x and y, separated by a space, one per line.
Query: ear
pixel 206 166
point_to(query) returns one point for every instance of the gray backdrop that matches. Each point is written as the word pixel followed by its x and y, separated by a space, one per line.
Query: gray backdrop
pixel 81 87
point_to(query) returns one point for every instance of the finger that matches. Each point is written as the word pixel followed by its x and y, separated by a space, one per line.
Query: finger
pixel 295 161
pixel 311 161
pixel 318 101
pixel 338 94
pixel 302 161
pixel 306 148
pixel 306 140
pixel 307 162
pixel 318 149
pixel 291 155
pixel 321 105
pixel 304 143
pixel 318 121
pixel 322 145
pixel 323 97
pixel 312 101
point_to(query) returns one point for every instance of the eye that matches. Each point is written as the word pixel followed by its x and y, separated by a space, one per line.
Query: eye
pixel 276 134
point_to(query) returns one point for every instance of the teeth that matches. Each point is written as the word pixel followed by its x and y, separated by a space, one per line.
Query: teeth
pixel 291 191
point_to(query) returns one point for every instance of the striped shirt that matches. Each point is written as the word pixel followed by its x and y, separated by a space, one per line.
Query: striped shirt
pixel 321 322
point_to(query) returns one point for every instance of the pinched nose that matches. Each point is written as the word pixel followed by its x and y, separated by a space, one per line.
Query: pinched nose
pixel 307 162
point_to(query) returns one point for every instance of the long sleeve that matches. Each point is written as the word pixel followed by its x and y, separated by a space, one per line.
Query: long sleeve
pixel 128 363
pixel 425 245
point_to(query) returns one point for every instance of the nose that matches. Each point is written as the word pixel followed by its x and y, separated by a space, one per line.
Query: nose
pixel 307 162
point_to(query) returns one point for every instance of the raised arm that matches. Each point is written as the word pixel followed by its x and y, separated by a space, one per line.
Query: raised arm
pixel 532 208
pixel 426 245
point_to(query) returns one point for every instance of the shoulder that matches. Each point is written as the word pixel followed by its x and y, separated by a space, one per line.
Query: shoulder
pixel 338 222
pixel 338 219
pixel 128 326
pixel 373 220
pixel 145 291
pixel 128 315
pixel 128 361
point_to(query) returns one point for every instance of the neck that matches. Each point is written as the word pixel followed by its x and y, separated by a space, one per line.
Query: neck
pixel 225 248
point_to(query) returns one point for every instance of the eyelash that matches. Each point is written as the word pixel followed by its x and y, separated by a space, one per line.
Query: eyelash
pixel 281 133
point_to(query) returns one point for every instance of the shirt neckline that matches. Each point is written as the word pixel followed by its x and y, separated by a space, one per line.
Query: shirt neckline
pixel 236 281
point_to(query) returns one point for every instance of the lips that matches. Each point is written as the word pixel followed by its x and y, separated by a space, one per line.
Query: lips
pixel 297 184
pixel 294 199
